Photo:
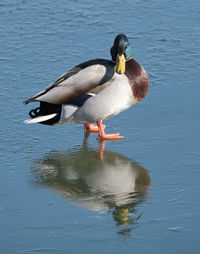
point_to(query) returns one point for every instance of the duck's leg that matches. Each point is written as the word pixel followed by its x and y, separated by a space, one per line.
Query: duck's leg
pixel 102 134
pixel 92 127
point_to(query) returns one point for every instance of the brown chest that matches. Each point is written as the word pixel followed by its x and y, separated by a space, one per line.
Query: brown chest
pixel 138 79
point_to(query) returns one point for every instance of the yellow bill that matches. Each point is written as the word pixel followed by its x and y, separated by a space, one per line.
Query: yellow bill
pixel 120 64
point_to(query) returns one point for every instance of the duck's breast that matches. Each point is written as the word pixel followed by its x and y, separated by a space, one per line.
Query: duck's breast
pixel 138 79
pixel 114 99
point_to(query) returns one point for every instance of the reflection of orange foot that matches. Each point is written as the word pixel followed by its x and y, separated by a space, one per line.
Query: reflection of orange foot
pixel 92 127
pixel 101 148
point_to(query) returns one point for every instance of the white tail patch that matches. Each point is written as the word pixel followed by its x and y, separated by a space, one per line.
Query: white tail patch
pixel 66 113
pixel 40 119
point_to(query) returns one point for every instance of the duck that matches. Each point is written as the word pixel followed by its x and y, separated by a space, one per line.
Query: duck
pixel 93 91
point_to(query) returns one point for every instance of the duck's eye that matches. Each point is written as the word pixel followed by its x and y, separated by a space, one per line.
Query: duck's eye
pixel 128 52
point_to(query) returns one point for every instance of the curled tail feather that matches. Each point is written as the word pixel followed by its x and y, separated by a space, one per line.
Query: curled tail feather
pixel 45 114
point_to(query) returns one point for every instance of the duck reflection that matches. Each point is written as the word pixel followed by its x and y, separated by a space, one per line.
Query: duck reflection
pixel 98 180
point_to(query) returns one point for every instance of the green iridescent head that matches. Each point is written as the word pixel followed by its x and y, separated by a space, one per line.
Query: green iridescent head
pixel 121 52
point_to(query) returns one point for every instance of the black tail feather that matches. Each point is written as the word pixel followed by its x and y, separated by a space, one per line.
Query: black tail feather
pixel 47 109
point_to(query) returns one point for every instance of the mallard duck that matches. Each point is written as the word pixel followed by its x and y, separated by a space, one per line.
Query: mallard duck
pixel 93 91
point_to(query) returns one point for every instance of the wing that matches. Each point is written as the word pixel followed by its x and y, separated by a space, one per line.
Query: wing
pixel 77 81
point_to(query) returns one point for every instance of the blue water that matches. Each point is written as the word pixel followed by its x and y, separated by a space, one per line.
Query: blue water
pixel 56 195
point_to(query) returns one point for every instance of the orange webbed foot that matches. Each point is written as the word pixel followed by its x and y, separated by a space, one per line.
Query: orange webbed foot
pixel 102 135
pixel 112 136
pixel 92 127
